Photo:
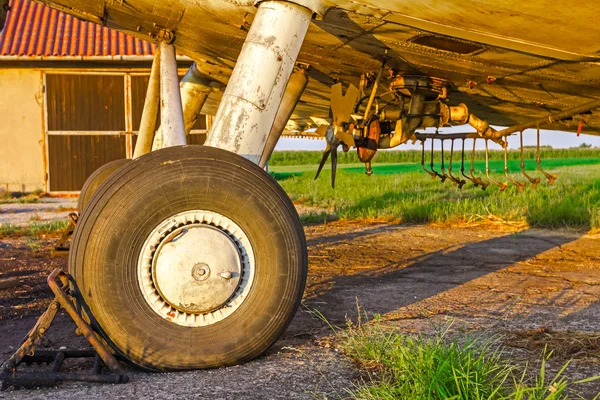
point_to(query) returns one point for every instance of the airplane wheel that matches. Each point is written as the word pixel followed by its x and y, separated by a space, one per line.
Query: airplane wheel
pixel 95 180
pixel 190 257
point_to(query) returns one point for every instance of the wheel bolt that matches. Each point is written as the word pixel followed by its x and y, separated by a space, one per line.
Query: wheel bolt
pixel 226 275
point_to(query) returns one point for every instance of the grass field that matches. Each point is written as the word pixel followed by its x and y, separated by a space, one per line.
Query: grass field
pixel 407 367
pixel 403 191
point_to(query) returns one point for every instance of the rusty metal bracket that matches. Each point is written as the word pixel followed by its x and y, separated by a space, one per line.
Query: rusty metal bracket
pixel 10 376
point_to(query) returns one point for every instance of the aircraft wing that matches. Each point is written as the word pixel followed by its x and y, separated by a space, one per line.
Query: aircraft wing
pixel 511 61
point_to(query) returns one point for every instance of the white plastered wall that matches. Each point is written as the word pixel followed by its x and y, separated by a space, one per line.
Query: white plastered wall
pixel 21 130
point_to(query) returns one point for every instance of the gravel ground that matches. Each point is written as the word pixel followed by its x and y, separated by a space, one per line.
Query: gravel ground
pixel 420 279
pixel 49 209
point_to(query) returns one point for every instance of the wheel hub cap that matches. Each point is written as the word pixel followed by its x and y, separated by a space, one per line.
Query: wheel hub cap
pixel 196 281
pixel 196 268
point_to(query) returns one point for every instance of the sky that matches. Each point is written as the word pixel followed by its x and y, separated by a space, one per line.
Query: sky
pixel 556 139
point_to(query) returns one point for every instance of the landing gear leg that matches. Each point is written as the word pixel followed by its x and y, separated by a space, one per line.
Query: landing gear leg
pixel 193 256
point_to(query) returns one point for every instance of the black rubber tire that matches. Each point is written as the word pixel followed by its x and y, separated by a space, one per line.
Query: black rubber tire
pixel 131 203
pixel 96 179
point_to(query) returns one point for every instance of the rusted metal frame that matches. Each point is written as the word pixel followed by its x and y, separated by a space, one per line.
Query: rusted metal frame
pixel 551 177
pixel 501 185
pixel 295 88
pixel 147 129
pixel 84 328
pixel 30 342
pixel 520 185
pixel 534 181
pixel 27 351
pixel 457 181
pixel 257 85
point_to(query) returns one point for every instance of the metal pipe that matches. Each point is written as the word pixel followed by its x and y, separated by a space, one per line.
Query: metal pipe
pixel 171 109
pixel 150 114
pixel 550 119
pixel 195 90
pixel 295 89
pixel 256 88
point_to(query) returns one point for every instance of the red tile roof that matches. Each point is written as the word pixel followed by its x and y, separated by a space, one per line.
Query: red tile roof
pixel 34 30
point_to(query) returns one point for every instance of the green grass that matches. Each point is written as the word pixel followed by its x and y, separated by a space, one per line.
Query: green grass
pixel 464 368
pixel 47 228
pixel 35 229
pixel 21 200
pixel 7 229
pixel 403 192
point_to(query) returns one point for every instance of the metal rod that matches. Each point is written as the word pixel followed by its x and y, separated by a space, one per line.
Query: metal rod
pixel 423 161
pixel 462 166
pixel 480 181
pixel 150 114
pixel 458 182
pixel 443 164
pixel 551 177
pixel 534 181
pixel 550 119
pixel 374 91
pixel 502 185
pixel 520 185
pixel 442 177
pixel 97 367
pixel 58 362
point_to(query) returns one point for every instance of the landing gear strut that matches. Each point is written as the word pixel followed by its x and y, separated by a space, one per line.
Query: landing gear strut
pixel 192 256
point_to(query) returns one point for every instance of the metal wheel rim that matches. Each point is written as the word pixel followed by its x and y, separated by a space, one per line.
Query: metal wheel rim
pixel 147 260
